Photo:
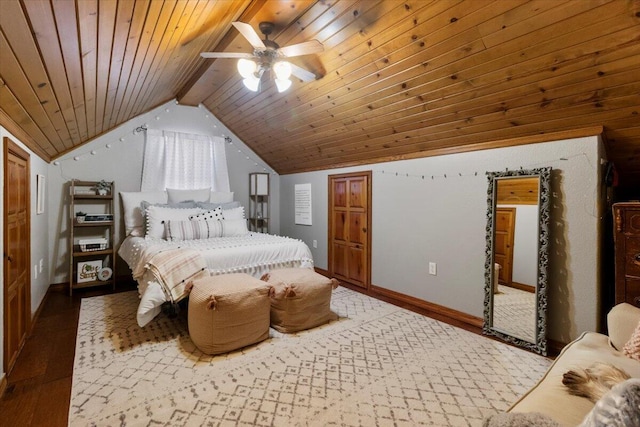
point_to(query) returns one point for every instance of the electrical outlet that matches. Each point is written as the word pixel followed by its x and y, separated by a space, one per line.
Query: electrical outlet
pixel 315 244
pixel 40 265
pixel 432 268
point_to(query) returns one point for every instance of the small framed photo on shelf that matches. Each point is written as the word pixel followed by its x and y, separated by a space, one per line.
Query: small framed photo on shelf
pixel 88 271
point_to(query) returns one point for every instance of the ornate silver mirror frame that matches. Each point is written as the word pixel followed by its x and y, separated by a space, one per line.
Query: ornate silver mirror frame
pixel 538 340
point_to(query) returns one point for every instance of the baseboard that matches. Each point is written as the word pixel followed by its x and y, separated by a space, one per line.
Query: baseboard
pixel 440 312
pixel 38 311
pixel 554 347
pixel 59 287
pixel 3 385
pixel 522 287
pixel 321 271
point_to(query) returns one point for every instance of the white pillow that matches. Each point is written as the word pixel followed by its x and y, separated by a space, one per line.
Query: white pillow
pixel 234 227
pixel 211 205
pixel 150 304
pixel 198 195
pixel 220 197
pixel 234 213
pixel 131 201
pixel 157 215
pixel 192 230
pixel 213 214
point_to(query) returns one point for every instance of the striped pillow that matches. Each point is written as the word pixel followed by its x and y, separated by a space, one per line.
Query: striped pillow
pixel 192 230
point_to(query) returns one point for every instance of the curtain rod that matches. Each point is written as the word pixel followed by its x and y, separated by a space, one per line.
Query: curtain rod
pixel 140 129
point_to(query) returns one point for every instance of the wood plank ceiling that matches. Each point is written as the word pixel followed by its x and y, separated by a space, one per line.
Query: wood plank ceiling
pixel 398 79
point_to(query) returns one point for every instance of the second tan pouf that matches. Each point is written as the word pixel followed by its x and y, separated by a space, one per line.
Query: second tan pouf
pixel 301 300
pixel 227 312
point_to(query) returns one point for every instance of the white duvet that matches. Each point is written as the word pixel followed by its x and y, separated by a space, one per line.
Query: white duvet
pixel 254 254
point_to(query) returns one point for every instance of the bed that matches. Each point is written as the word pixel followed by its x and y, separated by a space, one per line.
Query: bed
pixel 176 247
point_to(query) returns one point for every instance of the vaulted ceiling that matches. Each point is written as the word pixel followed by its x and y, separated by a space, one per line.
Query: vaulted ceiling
pixel 397 79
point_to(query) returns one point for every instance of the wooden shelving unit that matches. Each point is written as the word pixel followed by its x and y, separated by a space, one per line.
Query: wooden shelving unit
pixel 82 199
pixel 259 202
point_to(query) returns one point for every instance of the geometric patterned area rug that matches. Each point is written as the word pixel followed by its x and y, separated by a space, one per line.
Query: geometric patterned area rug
pixel 514 311
pixel 378 364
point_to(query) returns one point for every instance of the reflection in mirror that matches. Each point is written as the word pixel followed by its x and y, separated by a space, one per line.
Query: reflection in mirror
pixel 516 263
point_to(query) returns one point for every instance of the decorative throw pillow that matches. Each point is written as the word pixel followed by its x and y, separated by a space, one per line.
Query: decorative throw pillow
pixel 144 206
pixel 192 230
pixel 198 195
pixel 620 407
pixel 235 213
pixel 632 347
pixel 214 214
pixel 157 215
pixel 234 227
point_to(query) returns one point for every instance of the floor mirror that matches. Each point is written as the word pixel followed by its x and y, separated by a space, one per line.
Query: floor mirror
pixel 515 303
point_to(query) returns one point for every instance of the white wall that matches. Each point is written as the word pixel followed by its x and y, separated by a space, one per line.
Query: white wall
pixel 525 244
pixel 122 163
pixel 39 236
pixel 443 220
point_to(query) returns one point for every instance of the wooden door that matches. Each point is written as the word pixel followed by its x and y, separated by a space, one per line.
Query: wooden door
pixel 349 228
pixel 16 258
pixel 503 247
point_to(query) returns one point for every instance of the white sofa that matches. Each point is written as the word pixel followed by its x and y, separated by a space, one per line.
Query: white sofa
pixel 550 397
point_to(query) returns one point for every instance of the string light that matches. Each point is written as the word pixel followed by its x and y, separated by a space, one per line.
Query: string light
pixel 475 174
pixel 138 129
pixel 108 145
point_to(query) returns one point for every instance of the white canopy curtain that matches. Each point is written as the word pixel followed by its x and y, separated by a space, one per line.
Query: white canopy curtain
pixel 184 161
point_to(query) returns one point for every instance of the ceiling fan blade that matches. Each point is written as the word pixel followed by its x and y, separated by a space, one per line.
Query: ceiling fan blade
pixel 301 73
pixel 312 46
pixel 226 55
pixel 250 34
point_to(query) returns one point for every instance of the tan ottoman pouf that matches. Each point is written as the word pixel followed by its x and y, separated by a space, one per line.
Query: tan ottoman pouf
pixel 228 312
pixel 301 300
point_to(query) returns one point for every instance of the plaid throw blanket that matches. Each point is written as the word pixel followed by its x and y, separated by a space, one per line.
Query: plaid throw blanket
pixel 174 268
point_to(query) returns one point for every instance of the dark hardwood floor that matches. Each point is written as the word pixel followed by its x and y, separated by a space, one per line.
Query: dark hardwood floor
pixel 39 385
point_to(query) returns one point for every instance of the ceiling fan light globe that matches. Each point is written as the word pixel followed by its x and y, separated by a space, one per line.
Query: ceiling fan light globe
pixel 282 69
pixel 247 68
pixel 283 84
pixel 252 83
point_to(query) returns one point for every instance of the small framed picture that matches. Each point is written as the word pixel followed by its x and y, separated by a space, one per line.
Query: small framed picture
pixel 40 192
pixel 88 271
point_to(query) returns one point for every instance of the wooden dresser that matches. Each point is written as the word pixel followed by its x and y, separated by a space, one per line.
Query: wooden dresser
pixel 626 234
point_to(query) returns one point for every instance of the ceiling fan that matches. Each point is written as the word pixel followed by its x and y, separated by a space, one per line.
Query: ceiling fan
pixel 268 55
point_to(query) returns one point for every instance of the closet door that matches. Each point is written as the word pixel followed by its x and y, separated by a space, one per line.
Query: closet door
pixel 349 233
pixel 503 247
pixel 16 257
